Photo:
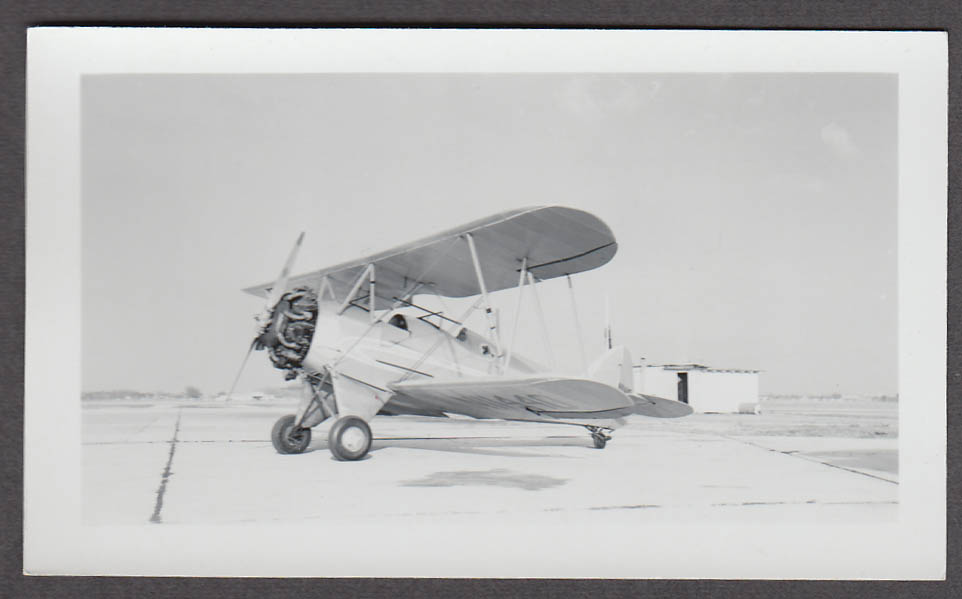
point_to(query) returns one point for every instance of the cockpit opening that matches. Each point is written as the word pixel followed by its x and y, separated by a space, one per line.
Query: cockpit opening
pixel 399 321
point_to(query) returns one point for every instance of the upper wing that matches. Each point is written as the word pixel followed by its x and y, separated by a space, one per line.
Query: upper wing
pixel 555 240
pixel 539 398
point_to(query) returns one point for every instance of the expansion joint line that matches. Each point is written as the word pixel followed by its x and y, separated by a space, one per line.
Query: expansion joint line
pixel 813 460
pixel 159 504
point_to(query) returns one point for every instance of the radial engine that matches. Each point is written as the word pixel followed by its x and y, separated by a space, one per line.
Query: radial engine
pixel 288 333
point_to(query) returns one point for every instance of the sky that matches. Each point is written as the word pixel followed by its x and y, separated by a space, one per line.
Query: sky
pixel 755 213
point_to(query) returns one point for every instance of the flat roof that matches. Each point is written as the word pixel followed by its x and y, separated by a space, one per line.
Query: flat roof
pixel 698 367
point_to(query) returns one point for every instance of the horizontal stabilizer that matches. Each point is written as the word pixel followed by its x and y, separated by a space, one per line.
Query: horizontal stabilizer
pixel 659 407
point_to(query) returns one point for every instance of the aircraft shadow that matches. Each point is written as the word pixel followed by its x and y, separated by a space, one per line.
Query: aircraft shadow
pixel 492 446
pixel 497 477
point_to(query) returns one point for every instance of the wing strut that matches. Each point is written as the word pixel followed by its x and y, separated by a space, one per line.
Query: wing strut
pixel 444 335
pixel 442 318
pixel 415 286
pixel 371 305
pixel 408 293
pixel 325 285
pixel 544 324
pixel 492 320
pixel 517 312
pixel 581 337
pixel 367 273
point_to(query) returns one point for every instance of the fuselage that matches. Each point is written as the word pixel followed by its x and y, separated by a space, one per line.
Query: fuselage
pixel 402 345
pixel 370 363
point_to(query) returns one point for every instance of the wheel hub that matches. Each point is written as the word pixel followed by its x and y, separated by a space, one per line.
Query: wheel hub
pixel 295 435
pixel 353 438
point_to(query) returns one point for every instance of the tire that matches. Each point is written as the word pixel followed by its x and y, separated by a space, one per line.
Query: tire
pixel 349 438
pixel 600 441
pixel 288 439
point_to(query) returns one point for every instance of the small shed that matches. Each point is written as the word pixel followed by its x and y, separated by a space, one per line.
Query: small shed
pixel 705 389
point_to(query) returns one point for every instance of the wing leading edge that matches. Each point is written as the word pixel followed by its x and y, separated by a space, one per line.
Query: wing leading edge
pixel 555 240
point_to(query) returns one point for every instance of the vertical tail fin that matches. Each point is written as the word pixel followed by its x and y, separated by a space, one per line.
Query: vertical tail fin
pixel 614 368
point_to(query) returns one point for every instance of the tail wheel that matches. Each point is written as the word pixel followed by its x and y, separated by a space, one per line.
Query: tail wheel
pixel 350 438
pixel 288 438
pixel 599 435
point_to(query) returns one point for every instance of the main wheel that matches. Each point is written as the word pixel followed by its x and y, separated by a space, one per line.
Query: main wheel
pixel 599 440
pixel 288 438
pixel 350 438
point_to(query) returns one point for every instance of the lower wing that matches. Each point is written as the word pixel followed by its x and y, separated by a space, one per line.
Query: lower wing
pixel 540 398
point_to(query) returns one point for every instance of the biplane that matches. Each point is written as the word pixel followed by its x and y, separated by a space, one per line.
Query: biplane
pixel 362 345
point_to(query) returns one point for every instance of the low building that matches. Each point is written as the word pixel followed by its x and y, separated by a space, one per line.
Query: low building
pixel 706 390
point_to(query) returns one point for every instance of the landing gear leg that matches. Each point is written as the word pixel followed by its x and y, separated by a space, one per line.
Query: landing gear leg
pixel 600 436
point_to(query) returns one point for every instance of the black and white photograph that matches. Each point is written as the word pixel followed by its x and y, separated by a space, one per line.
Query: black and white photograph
pixel 588 304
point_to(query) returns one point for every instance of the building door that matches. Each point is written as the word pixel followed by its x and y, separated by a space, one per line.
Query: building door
pixel 683 387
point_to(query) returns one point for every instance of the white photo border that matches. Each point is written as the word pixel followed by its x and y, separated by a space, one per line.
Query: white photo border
pixel 57 542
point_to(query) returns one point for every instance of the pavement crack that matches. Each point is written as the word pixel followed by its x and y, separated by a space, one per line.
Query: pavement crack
pixel 802 456
pixel 145 427
pixel 640 506
pixel 165 476
pixel 807 502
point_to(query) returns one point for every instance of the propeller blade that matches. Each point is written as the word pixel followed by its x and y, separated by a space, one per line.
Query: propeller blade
pixel 241 371
pixel 280 285
pixel 277 290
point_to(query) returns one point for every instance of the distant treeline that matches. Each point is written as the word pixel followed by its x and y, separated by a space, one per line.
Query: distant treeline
pixel 830 396
pixel 292 391
pixel 119 394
